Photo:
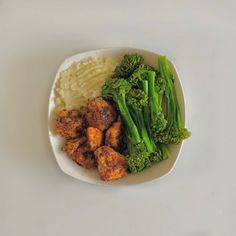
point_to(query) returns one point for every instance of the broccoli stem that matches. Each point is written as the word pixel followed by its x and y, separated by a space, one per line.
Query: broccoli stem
pixel 146 115
pixel 170 93
pixel 145 109
pixel 160 96
pixel 130 125
pixel 142 128
pixel 153 97
pixel 157 118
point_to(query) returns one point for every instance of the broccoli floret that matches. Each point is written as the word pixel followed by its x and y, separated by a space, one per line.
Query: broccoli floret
pixel 138 158
pixel 127 66
pixel 137 98
pixel 141 159
pixel 156 156
pixel 139 75
pixel 175 131
pixel 162 153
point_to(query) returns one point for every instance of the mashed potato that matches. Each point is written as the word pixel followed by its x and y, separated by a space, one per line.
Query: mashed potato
pixel 81 81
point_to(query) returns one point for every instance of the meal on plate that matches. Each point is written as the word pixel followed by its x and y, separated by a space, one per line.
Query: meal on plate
pixel 118 118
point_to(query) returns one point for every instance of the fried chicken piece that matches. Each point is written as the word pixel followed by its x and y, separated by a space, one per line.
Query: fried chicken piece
pixel 99 113
pixel 84 157
pixel 111 164
pixel 69 123
pixel 94 138
pixel 71 145
pixel 114 135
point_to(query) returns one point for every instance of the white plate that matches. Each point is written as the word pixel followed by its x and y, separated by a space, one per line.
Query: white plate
pixel 91 176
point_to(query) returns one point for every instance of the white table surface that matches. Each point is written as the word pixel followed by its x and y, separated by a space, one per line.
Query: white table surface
pixel 197 198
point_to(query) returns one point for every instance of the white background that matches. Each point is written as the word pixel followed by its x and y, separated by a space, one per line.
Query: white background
pixel 197 198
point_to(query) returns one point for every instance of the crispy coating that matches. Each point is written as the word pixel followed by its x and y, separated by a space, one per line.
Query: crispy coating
pixel 71 145
pixel 111 164
pixel 114 135
pixel 69 123
pixel 99 113
pixel 94 138
pixel 84 157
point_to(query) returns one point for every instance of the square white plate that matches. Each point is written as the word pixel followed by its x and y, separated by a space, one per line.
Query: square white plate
pixel 91 176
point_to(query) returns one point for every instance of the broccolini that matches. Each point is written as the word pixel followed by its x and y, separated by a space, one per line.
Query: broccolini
pixel 175 131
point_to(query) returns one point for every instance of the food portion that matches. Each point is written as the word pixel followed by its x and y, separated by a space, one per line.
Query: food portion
pixel 71 145
pixel 84 157
pixel 175 131
pixel 111 164
pixel 147 104
pixel 129 125
pixel 69 123
pixel 114 135
pixel 85 134
pixel 94 138
pixel 99 113
pixel 82 80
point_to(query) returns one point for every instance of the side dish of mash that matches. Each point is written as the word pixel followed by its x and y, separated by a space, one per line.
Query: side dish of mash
pixel 81 81
pixel 118 118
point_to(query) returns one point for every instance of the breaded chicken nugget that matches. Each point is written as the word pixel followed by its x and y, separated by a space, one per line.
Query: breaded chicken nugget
pixel 99 113
pixel 71 145
pixel 111 164
pixel 69 123
pixel 84 157
pixel 94 138
pixel 114 135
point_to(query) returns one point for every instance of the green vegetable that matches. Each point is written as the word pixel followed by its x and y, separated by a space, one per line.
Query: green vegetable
pixel 157 119
pixel 138 75
pixel 162 153
pixel 146 113
pixel 127 66
pixel 175 131
pixel 136 101
pixel 155 93
pixel 149 109
pixel 138 155
pixel 117 89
